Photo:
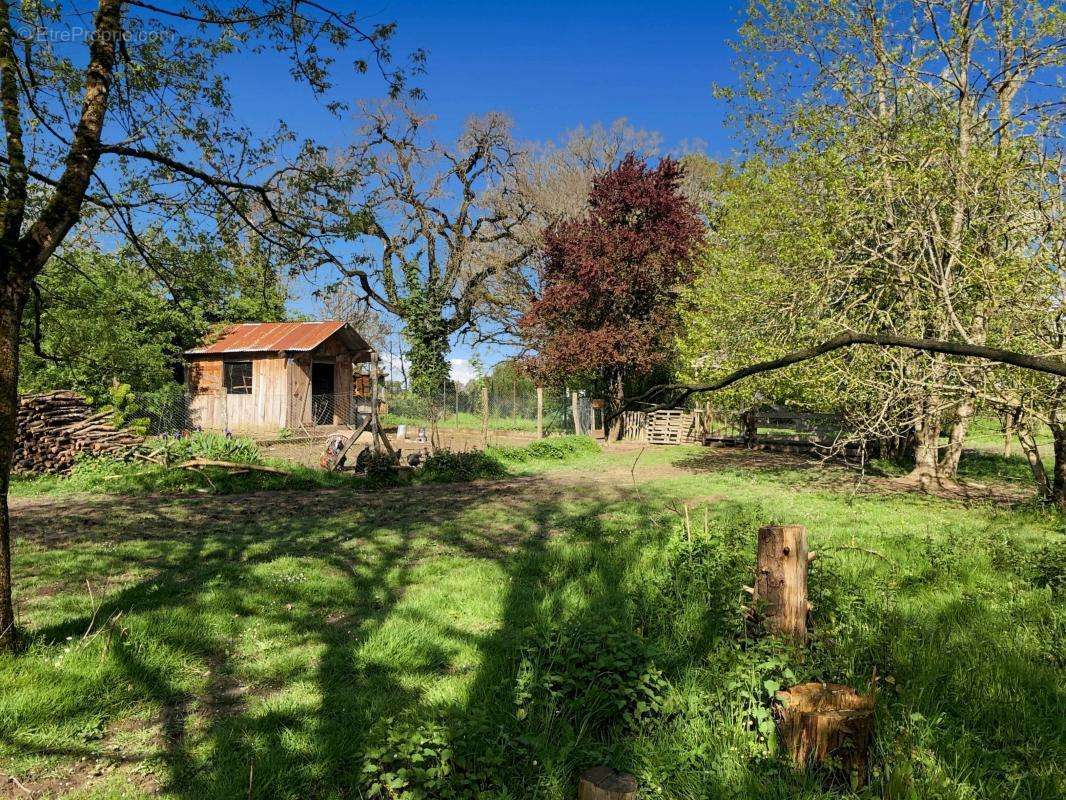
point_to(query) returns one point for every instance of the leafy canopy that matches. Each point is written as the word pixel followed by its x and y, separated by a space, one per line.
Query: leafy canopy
pixel 609 277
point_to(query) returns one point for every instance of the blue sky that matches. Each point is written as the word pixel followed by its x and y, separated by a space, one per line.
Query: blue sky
pixel 549 65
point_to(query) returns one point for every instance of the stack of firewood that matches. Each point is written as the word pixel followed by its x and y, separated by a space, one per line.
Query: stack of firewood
pixel 54 428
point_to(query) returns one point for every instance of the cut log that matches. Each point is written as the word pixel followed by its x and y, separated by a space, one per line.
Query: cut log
pixel 781 581
pixel 603 783
pixel 828 726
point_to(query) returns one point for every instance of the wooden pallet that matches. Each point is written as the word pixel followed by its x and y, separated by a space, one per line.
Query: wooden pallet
pixel 671 427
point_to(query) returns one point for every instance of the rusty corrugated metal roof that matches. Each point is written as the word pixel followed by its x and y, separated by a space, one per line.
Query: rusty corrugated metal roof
pixel 278 337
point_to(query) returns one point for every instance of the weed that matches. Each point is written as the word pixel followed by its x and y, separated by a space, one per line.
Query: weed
pixel 446 466
pixel 555 448
pixel 211 446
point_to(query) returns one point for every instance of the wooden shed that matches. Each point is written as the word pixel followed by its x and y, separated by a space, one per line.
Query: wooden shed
pixel 264 376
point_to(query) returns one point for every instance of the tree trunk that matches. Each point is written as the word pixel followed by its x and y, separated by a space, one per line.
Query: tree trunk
pixel 603 783
pixel 781 580
pixel 1058 482
pixel 1032 455
pixel 1008 435
pixel 949 464
pixel 827 725
pixel 616 399
pixel 11 305
pixel 926 443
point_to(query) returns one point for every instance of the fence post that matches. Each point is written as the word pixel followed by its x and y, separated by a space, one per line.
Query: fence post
pixel 574 402
pixel 485 416
pixel 540 412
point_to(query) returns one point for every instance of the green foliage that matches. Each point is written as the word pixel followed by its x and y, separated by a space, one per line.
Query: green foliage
pixel 555 448
pixel 436 759
pixel 1049 568
pixel 595 677
pixel 123 402
pixel 106 321
pixel 103 476
pixel 700 579
pixel 212 446
pixel 380 467
pixel 447 466
pixel 426 333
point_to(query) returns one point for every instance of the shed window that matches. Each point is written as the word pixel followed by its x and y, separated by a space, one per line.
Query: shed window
pixel 238 375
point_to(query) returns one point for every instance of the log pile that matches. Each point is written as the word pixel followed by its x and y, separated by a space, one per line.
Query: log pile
pixel 53 428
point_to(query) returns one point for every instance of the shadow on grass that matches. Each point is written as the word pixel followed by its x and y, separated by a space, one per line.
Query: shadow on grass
pixel 308 584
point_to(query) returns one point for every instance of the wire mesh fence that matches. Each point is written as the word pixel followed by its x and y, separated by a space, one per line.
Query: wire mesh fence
pixel 261 414
pixel 277 415
pixel 498 408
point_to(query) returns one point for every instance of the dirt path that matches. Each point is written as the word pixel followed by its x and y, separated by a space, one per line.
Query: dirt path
pixel 49 518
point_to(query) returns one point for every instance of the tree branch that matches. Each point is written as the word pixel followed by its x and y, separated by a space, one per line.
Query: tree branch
pixel 63 208
pixel 681 392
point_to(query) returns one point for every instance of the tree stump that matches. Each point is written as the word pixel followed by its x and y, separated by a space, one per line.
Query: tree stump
pixel 781 580
pixel 603 783
pixel 829 726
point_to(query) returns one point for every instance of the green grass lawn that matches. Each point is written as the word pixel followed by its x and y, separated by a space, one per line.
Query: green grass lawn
pixel 496 638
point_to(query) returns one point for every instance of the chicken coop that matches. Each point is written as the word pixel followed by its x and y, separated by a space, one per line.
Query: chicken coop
pixel 266 376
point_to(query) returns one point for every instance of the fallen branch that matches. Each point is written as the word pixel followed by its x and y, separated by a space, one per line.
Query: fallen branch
pixel 198 463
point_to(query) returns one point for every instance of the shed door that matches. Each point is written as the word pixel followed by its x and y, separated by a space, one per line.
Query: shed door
pixel 322 392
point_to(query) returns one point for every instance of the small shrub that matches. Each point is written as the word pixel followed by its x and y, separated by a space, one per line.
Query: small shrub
pixel 1049 568
pixel 212 446
pixel 433 759
pixel 380 467
pixel 697 594
pixel 596 675
pixel 446 466
pixel 557 448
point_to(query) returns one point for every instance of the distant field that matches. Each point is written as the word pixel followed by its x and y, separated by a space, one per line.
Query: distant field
pixel 467 421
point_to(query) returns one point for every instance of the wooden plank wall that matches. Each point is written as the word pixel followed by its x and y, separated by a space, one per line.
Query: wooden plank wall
pixel 265 409
pixel 299 374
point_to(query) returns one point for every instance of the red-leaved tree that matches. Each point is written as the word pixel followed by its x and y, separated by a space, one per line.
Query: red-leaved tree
pixel 606 312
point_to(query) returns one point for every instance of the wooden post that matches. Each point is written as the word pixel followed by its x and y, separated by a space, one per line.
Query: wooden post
pixel 457 406
pixel 781 580
pixel 574 410
pixel 827 724
pixel 540 412
pixel 603 783
pixel 374 423
pixel 484 416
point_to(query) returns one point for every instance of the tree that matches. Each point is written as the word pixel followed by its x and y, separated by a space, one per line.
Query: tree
pixel 921 125
pixel 341 302
pixel 436 233
pixel 134 125
pixel 551 183
pixel 609 279
pixel 99 319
